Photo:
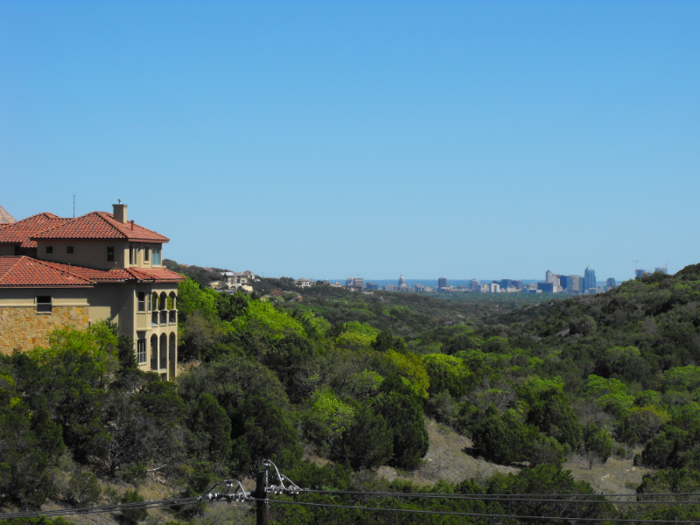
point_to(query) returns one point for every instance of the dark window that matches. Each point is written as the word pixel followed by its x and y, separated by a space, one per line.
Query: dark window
pixel 142 301
pixel 146 254
pixel 43 304
pixel 141 350
pixel 49 249
pixel 131 255
pixel 156 256
pixel 110 253
pixel 70 250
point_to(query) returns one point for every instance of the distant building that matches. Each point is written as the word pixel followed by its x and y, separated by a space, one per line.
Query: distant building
pixel 402 281
pixel 475 285
pixel 553 278
pixel 546 287
pixel 304 283
pixel 511 285
pixel 442 282
pixel 495 288
pixel 372 286
pixel 484 288
pixel 355 283
pixel 610 283
pixel 589 282
pixel 661 269
pixel 391 288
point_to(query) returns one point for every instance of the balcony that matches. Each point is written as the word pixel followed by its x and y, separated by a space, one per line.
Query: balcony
pixel 154 363
pixel 163 362
pixel 164 317
pixel 172 316
pixel 154 318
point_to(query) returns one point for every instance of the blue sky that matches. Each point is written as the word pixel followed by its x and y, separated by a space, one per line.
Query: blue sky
pixel 332 139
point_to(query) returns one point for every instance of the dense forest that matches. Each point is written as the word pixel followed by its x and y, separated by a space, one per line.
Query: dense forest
pixel 351 379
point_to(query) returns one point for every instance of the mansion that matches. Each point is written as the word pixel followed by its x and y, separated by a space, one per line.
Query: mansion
pixel 56 272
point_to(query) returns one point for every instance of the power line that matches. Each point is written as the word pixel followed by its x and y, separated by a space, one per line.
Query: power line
pixel 569 495
pixel 501 497
pixel 102 508
pixel 476 514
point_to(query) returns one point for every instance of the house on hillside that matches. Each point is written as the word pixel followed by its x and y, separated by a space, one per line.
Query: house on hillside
pixel 56 272
pixel 304 283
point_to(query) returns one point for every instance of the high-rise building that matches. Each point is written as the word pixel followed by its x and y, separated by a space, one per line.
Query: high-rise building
pixel 576 283
pixel 553 278
pixel 355 283
pixel 442 282
pixel 546 287
pixel 474 285
pixel 402 281
pixel 565 282
pixel 610 283
pixel 589 281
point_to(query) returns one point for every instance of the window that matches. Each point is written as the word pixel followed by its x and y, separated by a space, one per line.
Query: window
pixel 43 304
pixel 70 249
pixel 131 255
pixel 146 254
pixel 156 256
pixel 141 349
pixel 141 301
pixel 49 249
pixel 110 253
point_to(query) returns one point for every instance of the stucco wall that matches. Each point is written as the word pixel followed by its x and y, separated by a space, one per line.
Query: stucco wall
pixel 23 328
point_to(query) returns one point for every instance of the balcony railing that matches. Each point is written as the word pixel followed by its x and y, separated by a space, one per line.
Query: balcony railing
pixel 163 362
pixel 154 363
pixel 154 318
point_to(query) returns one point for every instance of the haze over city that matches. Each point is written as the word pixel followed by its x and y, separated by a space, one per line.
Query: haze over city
pixel 460 139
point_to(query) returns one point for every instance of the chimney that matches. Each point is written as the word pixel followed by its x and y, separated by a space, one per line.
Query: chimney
pixel 120 212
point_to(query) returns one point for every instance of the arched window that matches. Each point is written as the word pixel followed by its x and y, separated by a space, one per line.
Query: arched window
pixel 163 301
pixel 154 352
pixel 172 356
pixel 163 352
pixel 154 301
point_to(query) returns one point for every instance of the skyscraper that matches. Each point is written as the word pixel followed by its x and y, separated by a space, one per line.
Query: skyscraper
pixel 442 282
pixel 589 279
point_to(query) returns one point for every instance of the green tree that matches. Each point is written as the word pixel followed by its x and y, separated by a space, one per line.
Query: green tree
pixel 403 411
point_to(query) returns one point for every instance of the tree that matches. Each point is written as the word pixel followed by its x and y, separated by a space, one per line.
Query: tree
pixel 403 411
pixel 368 442
pixel 211 422
pixel 598 443
pixel 622 362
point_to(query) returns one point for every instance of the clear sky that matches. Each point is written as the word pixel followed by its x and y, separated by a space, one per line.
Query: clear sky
pixel 332 139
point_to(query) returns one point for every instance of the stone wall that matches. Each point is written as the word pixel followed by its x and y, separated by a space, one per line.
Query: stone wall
pixel 22 328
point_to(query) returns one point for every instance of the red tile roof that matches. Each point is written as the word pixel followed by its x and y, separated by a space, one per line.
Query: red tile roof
pixel 26 272
pixel 100 225
pixel 21 232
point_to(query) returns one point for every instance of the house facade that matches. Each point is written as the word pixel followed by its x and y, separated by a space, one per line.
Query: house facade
pixel 56 272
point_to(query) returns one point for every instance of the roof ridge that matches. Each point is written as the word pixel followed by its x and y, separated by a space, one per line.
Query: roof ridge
pixel 101 215
pixel 110 215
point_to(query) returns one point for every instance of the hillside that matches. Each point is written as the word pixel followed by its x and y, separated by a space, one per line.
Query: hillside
pixel 604 386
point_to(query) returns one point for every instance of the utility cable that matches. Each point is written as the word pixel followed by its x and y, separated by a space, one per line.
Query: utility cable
pixel 479 515
pixel 499 497
pixel 101 508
